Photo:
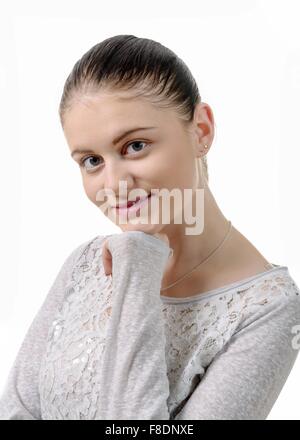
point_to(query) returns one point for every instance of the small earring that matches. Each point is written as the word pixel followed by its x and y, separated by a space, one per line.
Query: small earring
pixel 205 147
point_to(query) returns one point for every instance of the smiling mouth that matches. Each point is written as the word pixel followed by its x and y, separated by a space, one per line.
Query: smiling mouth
pixel 131 204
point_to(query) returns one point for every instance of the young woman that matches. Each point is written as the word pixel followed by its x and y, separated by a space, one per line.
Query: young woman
pixel 159 321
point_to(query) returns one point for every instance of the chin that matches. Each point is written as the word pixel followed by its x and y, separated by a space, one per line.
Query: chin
pixel 147 228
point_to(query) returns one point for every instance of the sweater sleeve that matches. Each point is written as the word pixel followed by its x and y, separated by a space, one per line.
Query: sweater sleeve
pixel 20 398
pixel 133 374
pixel 244 379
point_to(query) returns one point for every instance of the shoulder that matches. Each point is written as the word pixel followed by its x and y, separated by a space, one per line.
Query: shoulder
pixel 74 266
pixel 275 295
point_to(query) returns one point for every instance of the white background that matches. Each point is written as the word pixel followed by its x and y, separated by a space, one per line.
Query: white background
pixel 245 57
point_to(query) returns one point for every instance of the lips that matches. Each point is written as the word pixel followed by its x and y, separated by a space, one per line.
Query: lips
pixel 132 207
pixel 131 202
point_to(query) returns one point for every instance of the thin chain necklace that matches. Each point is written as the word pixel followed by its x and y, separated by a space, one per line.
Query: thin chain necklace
pixel 203 261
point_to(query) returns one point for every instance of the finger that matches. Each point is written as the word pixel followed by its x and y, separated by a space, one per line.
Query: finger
pixel 107 259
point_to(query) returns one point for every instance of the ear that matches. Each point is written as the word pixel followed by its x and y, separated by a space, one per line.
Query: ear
pixel 203 124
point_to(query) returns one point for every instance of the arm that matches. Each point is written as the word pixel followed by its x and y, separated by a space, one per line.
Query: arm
pixel 20 399
pixel 245 378
pixel 243 381
pixel 133 381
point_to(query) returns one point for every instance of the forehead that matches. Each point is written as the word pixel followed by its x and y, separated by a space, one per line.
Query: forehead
pixel 108 113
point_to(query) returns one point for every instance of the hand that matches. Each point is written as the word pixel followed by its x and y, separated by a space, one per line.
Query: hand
pixel 162 236
pixel 107 257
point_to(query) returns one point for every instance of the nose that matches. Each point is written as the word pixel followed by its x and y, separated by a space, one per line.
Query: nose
pixel 116 175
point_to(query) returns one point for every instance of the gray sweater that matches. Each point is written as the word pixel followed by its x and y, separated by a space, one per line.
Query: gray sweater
pixel 113 348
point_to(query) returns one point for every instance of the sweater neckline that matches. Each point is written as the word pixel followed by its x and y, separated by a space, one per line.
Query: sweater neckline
pixel 225 288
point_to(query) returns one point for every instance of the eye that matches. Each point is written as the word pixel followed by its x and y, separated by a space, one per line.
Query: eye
pixel 85 159
pixel 136 143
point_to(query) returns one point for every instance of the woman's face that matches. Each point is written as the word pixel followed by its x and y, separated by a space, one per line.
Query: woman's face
pixel 158 157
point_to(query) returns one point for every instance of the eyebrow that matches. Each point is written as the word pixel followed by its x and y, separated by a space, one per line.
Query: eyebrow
pixel 115 141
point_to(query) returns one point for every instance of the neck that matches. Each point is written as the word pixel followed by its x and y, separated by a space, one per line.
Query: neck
pixel 190 250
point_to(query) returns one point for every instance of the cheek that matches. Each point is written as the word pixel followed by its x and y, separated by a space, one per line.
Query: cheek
pixel 177 169
pixel 94 193
pixel 159 169
pixel 91 190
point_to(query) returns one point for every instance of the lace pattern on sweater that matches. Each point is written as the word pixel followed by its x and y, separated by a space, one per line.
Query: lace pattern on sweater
pixel 195 333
